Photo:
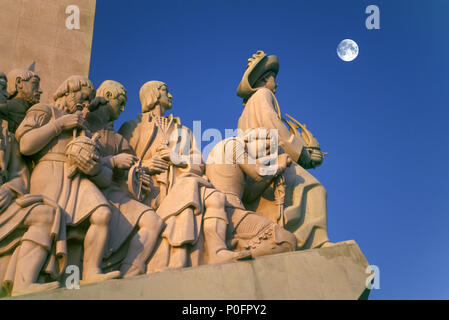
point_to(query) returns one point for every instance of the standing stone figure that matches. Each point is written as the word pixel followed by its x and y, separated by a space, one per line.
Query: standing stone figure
pixel 32 229
pixel 227 166
pixel 134 227
pixel 191 208
pixel 23 91
pixel 305 199
pixel 44 136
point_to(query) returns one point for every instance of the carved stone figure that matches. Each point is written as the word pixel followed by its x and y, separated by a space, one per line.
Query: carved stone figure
pixel 134 227
pixel 304 211
pixel 23 91
pixel 32 229
pixel 191 208
pixel 50 135
pixel 3 91
pixel 227 166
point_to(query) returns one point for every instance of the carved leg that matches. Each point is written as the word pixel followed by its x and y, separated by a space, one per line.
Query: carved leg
pixel 142 244
pixel 161 258
pixel 214 228
pixel 33 252
pixel 178 257
pixel 215 239
pixel 94 247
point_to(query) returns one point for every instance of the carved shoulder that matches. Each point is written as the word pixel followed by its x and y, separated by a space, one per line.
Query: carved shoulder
pixel 40 108
pixel 127 129
pixel 37 116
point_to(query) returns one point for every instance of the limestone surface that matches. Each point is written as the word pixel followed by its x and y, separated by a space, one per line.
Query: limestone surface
pixel 36 31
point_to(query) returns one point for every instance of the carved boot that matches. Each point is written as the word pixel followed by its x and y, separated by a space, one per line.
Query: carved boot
pixel 271 240
pixel 30 260
pixel 215 241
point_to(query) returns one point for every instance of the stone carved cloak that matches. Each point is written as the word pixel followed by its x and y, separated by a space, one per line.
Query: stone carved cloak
pixel 309 226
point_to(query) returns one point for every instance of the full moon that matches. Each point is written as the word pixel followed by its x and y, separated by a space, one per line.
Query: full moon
pixel 347 50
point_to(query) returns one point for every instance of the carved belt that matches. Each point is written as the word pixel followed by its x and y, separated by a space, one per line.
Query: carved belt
pixel 53 156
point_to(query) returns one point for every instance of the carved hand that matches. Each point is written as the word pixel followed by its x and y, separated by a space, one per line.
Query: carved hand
pixel 171 157
pixel 155 165
pixel 90 166
pixel 6 197
pixel 284 161
pixel 146 182
pixel 163 152
pixel 124 160
pixel 70 121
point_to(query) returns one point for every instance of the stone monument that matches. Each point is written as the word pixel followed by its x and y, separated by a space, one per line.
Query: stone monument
pixel 139 210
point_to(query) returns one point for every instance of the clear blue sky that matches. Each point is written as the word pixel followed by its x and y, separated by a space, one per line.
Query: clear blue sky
pixel 383 117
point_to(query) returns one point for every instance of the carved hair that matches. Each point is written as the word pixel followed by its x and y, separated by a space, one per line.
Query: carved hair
pixel 23 75
pixel 114 87
pixel 149 94
pixel 72 84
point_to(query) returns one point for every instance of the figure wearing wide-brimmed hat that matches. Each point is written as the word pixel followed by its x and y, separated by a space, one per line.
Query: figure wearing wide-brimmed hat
pixel 304 209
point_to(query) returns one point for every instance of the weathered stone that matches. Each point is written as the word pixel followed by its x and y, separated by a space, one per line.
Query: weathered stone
pixel 335 272
pixel 35 30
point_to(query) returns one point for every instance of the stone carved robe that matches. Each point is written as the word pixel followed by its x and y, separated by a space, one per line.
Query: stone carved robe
pixel 78 197
pixel 304 215
pixel 178 195
pixel 15 176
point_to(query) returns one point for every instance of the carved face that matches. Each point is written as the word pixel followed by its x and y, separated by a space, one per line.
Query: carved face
pixel 79 100
pixel 30 90
pixel 116 106
pixel 165 98
pixel 3 92
pixel 271 83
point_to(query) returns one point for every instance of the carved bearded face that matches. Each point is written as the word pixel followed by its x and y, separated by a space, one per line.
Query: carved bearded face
pixel 77 101
pixel 30 90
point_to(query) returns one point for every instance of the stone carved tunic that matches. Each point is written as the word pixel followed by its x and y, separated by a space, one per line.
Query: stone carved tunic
pixel 78 197
pixel 309 225
pixel 15 176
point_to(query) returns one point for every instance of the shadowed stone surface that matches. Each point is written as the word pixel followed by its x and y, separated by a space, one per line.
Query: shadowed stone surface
pixel 35 30
pixel 336 272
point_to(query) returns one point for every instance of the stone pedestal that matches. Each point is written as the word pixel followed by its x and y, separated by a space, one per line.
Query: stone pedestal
pixel 336 272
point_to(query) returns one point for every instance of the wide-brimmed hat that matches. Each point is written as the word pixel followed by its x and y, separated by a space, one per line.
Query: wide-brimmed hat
pixel 257 66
